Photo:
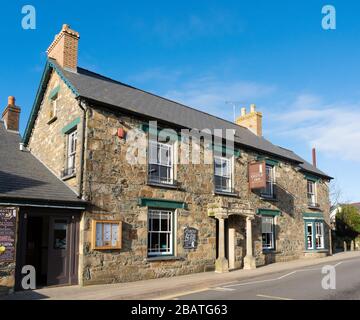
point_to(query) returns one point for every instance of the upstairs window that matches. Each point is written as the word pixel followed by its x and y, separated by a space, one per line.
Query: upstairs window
pixel 161 164
pixel 71 153
pixel 268 191
pixel 311 193
pixel 223 174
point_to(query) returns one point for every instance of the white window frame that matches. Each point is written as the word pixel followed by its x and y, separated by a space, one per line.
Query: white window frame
pixel 227 174
pixel 270 219
pixel 311 194
pixel 71 151
pixel 309 235
pixel 167 163
pixel 270 181
pixel 170 232
pixel 319 234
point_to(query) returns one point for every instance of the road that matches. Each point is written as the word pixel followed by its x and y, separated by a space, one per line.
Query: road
pixel 297 284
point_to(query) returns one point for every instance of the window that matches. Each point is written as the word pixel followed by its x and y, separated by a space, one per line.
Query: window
pixel 161 168
pixel 314 235
pixel 309 236
pixel 268 192
pixel 223 174
pixel 160 232
pixel 53 107
pixel 268 234
pixel 311 193
pixel 71 153
pixel 319 235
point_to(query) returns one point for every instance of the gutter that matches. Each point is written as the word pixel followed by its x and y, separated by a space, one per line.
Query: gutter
pixel 84 107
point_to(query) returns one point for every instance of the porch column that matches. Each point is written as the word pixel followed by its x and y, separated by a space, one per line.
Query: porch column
pixel 249 260
pixel 221 264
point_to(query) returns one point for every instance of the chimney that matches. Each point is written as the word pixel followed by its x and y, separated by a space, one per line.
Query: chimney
pixel 252 120
pixel 314 157
pixel 11 115
pixel 64 48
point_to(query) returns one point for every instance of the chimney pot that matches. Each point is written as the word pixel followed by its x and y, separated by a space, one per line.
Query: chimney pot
pixel 243 111
pixel 11 101
pixel 252 108
pixel 11 115
pixel 251 121
pixel 314 157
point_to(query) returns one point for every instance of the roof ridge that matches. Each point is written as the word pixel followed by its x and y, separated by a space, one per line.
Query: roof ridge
pixel 167 99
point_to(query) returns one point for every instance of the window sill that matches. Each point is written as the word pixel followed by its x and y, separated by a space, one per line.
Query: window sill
pixel 163 185
pixel 53 119
pixel 265 198
pixel 162 258
pixel 225 193
pixel 314 207
pixel 68 177
pixel 316 251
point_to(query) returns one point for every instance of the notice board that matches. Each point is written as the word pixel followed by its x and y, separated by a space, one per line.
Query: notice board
pixel 7 234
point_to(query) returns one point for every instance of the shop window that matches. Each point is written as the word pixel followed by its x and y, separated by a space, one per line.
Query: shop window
pixel 314 235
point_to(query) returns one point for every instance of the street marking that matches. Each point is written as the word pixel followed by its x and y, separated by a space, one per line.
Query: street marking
pixel 278 278
pixel 222 289
pixel 180 294
pixel 272 297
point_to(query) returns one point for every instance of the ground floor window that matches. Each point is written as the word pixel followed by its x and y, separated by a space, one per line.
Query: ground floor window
pixel 268 232
pixel 314 235
pixel 160 232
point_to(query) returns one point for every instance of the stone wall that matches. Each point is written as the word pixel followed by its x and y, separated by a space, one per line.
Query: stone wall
pixel 113 186
pixel 47 142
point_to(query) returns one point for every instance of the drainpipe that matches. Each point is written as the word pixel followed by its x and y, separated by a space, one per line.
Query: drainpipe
pixel 83 106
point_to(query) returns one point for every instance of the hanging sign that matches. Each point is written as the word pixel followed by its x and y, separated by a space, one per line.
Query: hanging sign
pixel 7 234
pixel 257 175
pixel 190 238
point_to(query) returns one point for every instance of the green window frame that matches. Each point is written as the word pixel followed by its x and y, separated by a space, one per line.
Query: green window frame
pixel 314 234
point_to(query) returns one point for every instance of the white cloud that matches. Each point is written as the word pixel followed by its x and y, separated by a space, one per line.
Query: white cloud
pixel 332 128
pixel 210 95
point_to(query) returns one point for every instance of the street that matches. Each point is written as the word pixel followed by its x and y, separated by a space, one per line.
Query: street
pixel 299 284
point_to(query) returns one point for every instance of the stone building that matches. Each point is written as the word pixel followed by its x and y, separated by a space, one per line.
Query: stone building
pixel 152 210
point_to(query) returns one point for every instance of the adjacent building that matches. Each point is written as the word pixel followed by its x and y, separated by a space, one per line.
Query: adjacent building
pixel 115 213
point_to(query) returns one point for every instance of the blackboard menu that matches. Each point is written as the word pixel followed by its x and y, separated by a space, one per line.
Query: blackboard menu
pixel 7 234
pixel 190 238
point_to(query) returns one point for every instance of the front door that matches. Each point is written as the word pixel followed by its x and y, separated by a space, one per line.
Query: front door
pixel 61 250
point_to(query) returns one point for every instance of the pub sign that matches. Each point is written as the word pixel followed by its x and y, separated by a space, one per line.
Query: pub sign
pixel 257 175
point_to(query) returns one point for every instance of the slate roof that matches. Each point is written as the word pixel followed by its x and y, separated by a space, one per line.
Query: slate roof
pixel 24 179
pixel 99 89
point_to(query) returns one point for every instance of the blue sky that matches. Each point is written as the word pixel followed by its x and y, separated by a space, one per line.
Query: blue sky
pixel 275 54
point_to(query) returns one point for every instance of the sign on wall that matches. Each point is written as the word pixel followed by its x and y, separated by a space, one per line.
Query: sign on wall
pixel 106 234
pixel 7 234
pixel 257 175
pixel 190 238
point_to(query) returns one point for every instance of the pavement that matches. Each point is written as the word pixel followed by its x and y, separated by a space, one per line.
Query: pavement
pixel 298 279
